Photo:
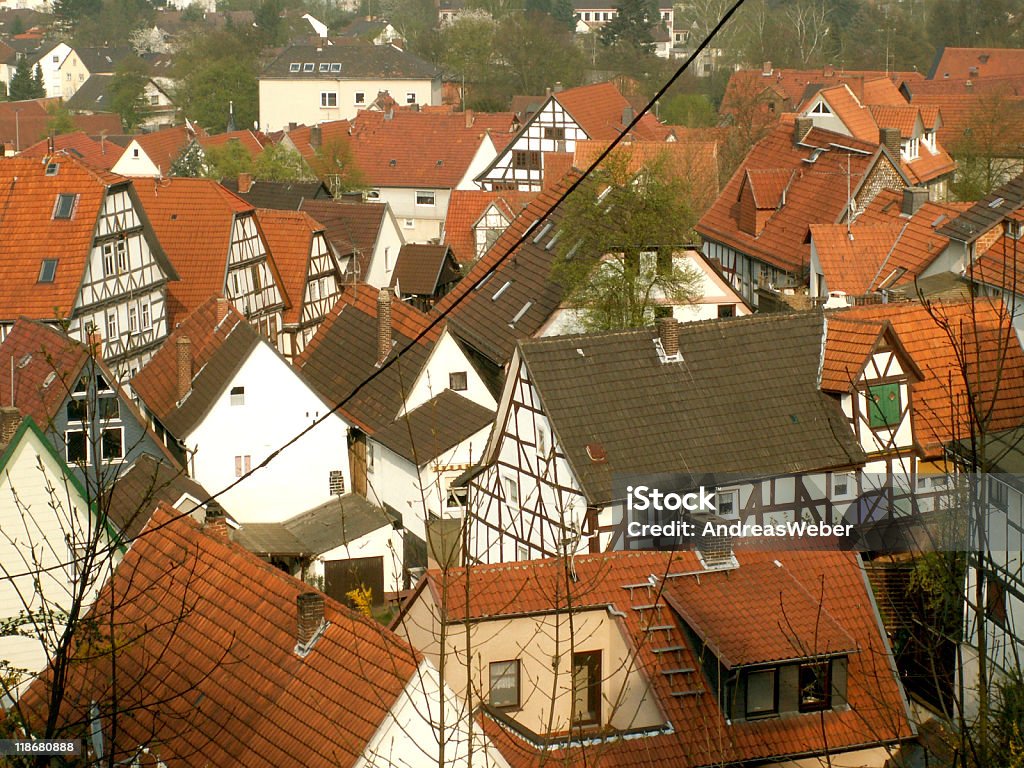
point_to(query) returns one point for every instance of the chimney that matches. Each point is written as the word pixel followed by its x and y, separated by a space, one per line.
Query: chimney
pixel 315 137
pixel 389 113
pixel 184 349
pixel 715 550
pixel 890 139
pixel 96 344
pixel 310 609
pixel 244 182
pixel 668 333
pixel 766 69
pixel 469 118
pixel 292 126
pixel 801 127
pixel 627 115
pixel 828 71
pixel 383 324
pixel 913 199
pixel 216 523
pixel 558 87
pixel 10 418
pixel 222 309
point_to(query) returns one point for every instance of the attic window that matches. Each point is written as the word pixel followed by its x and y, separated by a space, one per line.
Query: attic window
pixel 821 108
pixel 294 67
pixel 48 270
pixel 50 378
pixel 997 202
pixel 51 169
pixel 325 67
pixel 307 67
pixel 64 206
pixel 520 313
pixel 543 231
pixel 335 67
pixel 497 293
pixel 941 218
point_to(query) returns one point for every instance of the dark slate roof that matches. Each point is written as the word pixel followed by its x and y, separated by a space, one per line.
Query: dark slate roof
pixel 744 399
pixel 438 425
pixel 420 269
pixel 138 491
pixel 332 524
pixel 279 195
pixel 986 213
pixel 358 60
pixel 92 96
pixel 103 60
pixel 349 224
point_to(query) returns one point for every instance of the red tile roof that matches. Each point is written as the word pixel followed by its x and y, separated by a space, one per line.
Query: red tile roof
pixel 465 207
pixel 853 262
pixel 163 147
pixel 881 91
pixel 599 110
pixel 975 63
pixel 29 234
pixel 855 116
pixel 848 347
pixel 817 194
pixel 227 660
pixel 929 166
pixel 409 149
pixel 902 117
pixel 986 340
pixel 99 154
pixel 777 594
pixel 990 119
pixel 1002 265
pixel 193 219
pixel 768 187
pixel 289 236
pixel 252 141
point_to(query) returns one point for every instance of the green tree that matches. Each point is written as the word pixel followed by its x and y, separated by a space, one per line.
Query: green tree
pixel 335 165
pixel 468 50
pixel 228 160
pixel 267 17
pixel 128 92
pixel 278 163
pixel 213 69
pixel 632 25
pixel 59 120
pixel 73 11
pixel 26 84
pixel 536 51
pixel 620 230
pixel 693 110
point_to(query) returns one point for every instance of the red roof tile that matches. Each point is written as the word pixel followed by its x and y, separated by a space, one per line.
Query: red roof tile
pixel 193 221
pixel 855 116
pixel 778 595
pixel 253 142
pixel 990 118
pixel 848 347
pixel 228 661
pixel 852 261
pixel 29 234
pixel 163 147
pixel 99 154
pixel 903 117
pixel 465 207
pixel 289 236
pixel 599 110
pixel 985 337
pixel 975 63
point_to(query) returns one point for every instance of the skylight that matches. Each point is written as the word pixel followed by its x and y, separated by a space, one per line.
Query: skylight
pixel 997 202
pixel 308 66
pixel 497 293
pixel 65 206
pixel 325 67
pixel 51 169
pixel 294 66
pixel 521 312
pixel 48 270
pixel 335 67
pixel 543 231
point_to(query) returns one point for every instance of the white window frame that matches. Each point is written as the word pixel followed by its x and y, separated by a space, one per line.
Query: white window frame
pixel 410 97
pixel 732 495
pixel 103 433
pixel 243 464
pixel 425 194
pixel 510 486
pixel 237 395
pixel 145 315
pixel 85 436
pixel 359 98
pixel 846 479
pixel 328 99
pixel 133 319
pixel 111 324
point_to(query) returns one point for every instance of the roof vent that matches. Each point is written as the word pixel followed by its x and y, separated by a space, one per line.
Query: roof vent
pixel 596 453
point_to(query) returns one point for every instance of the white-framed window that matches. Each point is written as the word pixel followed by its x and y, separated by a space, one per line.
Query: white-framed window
pixel 47 270
pixel 109 261
pixel 145 316
pixel 370 457
pixel 324 66
pixel 843 485
pixel 425 197
pixel 821 108
pixel 294 66
pixel 122 256
pixel 511 486
pixel 410 98
pixel 68 78
pixel 154 100
pixel 112 443
pixel 360 97
pixel 408 223
pixel 64 207
pixel 238 395
pixel 336 66
pixel 373 194
pixel 328 99
pixel 243 464
pixel 133 319
pixel 912 148
pixel 727 502
pixel 112 324
pixel 308 66
pixel 56 59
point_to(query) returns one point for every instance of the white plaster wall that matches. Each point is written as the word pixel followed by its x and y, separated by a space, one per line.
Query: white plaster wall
pixel 278 405
pixel 384 542
pixel 446 357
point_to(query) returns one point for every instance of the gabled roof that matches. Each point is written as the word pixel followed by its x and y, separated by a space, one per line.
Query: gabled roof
pixel 93 95
pixel 988 343
pixel 422 269
pixel 358 60
pixel 29 233
pixel 849 345
pixel 817 194
pixel 289 236
pixel 99 154
pixel 983 114
pixel 651 417
pixel 343 354
pixel 279 195
pixel 350 225
pixel 221 343
pixel 768 186
pixel 23 123
pixel 987 213
pixel 903 118
pixel 975 63
pixel 1001 265
pixel 252 141
pixel 103 60
pixel 165 146
pixel 193 220
pixel 465 207
pixel 231 658
pixel 141 488
pixel 852 261
pixel 436 426
pixel 782 598
pixel 599 110
pixel 854 115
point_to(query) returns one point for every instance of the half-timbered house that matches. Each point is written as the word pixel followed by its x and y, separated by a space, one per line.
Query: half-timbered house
pixel 78 249
pixel 581 415
pixel 369 231
pixel 214 240
pixel 588 112
pixel 311 272
pixel 476 218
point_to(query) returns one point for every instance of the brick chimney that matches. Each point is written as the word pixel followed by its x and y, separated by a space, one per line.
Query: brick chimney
pixel 216 523
pixel 10 418
pixel 913 199
pixel 184 357
pixel 627 115
pixel 766 69
pixel 244 182
pixel 315 137
pixel 470 117
pixel 310 610
pixel 890 139
pixel 801 127
pixel 383 324
pixel 668 333
pixel 223 308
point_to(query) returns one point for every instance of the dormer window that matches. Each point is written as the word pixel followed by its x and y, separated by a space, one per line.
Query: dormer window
pixel 821 108
pixel 762 692
pixel 815 686
pixel 64 207
pixel 911 149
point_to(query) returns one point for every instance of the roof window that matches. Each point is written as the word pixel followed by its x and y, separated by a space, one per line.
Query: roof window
pixel 336 67
pixel 48 270
pixel 519 315
pixel 997 202
pixel 324 67
pixel 308 66
pixel 294 66
pixel 51 169
pixel 25 360
pixel 65 206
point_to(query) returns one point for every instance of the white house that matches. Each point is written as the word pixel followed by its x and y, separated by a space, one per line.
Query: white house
pixel 222 395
